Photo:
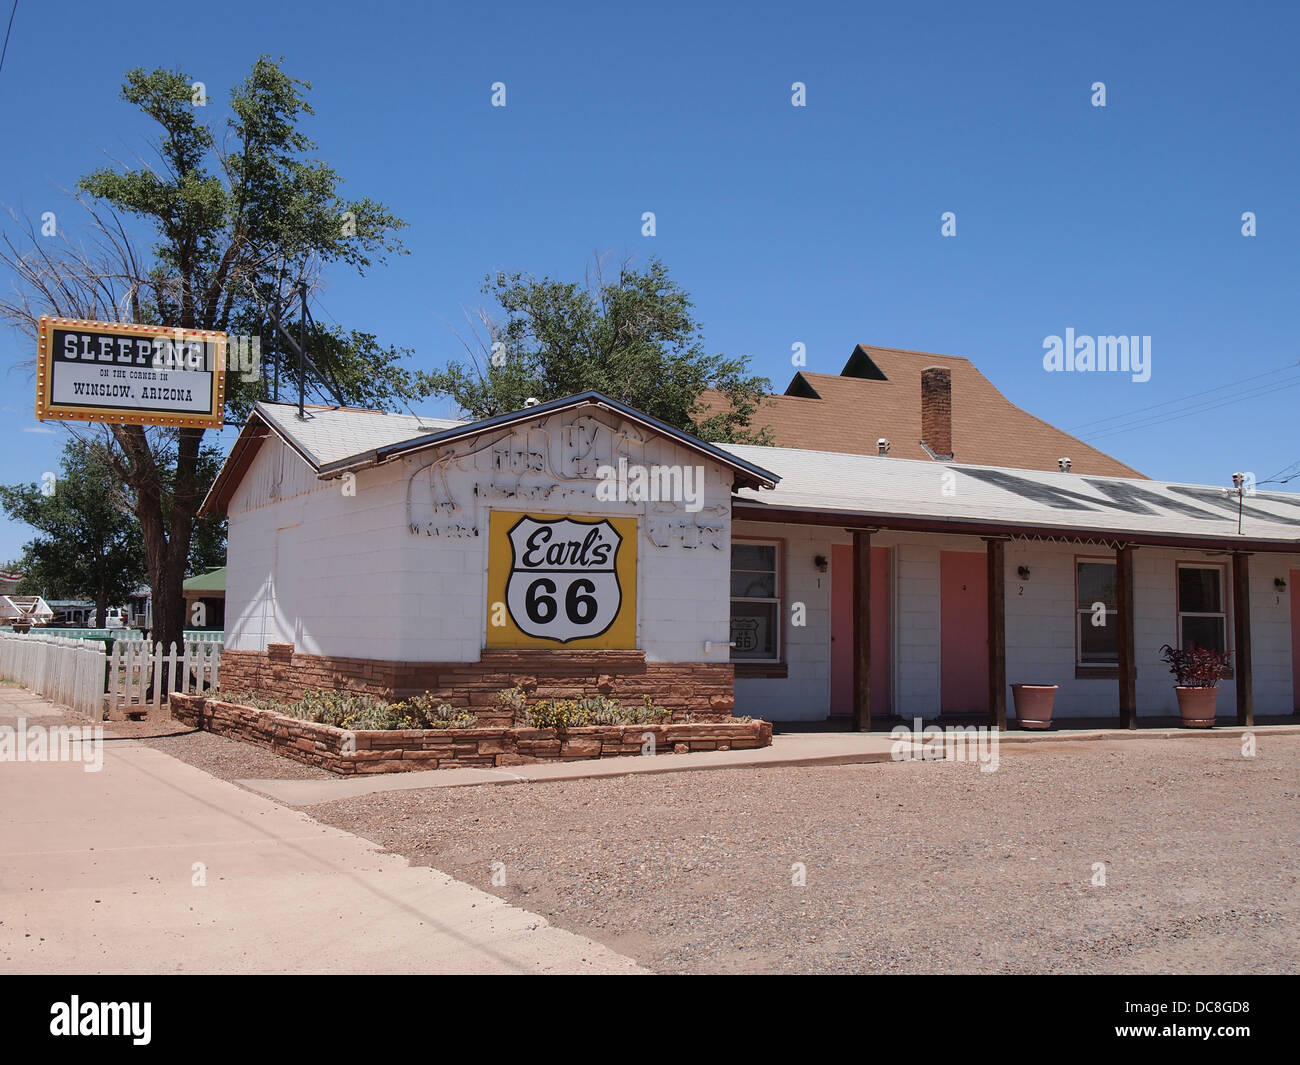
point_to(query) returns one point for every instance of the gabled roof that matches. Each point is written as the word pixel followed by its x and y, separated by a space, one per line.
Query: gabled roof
pixel 878 394
pixel 746 473
pixel 330 435
pixel 214 580
pixel 334 440
pixel 864 490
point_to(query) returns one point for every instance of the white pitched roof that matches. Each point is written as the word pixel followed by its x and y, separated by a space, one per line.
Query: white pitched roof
pixel 330 434
pixel 871 487
pixel 334 439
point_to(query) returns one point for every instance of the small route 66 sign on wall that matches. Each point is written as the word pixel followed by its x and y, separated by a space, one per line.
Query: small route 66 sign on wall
pixel 564 580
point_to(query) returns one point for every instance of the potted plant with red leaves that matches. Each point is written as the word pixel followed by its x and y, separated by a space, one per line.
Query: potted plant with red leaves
pixel 1197 671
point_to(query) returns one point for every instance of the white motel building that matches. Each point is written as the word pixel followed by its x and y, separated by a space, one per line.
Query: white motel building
pixel 937 546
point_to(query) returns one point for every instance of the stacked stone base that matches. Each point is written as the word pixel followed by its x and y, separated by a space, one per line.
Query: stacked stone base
pixel 347 753
pixel 702 691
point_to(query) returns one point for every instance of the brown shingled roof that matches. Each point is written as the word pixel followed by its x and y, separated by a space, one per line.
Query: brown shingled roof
pixel 879 394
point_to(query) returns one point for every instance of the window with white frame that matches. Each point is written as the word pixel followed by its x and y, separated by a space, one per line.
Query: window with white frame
pixel 1202 610
pixel 1096 635
pixel 755 601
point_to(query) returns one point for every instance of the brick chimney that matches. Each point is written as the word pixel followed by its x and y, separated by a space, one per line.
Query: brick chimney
pixel 936 410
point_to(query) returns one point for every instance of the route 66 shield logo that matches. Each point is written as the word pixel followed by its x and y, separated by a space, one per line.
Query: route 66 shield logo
pixel 563 582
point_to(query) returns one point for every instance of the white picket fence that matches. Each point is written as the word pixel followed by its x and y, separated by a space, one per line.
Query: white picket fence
pixel 81 675
pixel 135 673
pixel 66 671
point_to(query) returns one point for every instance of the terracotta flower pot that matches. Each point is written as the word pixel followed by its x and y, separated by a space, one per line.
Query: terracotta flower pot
pixel 1034 704
pixel 1196 706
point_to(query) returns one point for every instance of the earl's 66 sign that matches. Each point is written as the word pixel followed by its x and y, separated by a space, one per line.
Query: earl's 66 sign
pixel 561 580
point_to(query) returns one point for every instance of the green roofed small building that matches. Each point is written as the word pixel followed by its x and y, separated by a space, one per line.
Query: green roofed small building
pixel 205 600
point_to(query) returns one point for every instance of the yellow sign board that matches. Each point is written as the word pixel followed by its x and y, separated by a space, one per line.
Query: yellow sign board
pixel 561 580
pixel 129 374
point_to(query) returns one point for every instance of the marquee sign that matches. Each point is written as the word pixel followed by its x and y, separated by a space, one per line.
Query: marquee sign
pixel 560 580
pixel 130 374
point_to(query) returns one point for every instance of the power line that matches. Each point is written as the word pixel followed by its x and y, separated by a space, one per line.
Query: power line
pixel 1287 473
pixel 8 30
pixel 323 310
pixel 1197 409
pixel 1180 399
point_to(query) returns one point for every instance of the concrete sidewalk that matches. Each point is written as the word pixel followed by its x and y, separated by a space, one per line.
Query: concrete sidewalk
pixel 99 873
pixel 826 748
pixel 788 749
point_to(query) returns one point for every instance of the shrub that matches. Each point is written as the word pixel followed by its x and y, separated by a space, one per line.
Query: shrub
pixel 561 714
pixel 424 711
pixel 513 699
pixel 342 709
pixel 241 698
pixel 1196 666
pixel 359 711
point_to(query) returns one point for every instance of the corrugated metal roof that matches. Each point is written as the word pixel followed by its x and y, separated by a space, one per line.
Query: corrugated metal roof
pixel 333 434
pixel 214 580
pixel 870 487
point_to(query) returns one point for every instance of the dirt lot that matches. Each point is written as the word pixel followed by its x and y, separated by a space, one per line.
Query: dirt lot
pixel 914 867
pixel 227 759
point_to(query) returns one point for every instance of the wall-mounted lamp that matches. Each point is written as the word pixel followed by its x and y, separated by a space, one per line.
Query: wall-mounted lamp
pixel 1024 573
pixel 1279 584
pixel 820 562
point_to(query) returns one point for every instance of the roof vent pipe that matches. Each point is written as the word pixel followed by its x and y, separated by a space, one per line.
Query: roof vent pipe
pixel 882 446
pixel 1064 464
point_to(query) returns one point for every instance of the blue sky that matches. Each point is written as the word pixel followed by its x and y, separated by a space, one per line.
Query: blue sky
pixel 818 225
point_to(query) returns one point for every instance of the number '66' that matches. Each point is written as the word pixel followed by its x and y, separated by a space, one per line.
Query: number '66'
pixel 579 604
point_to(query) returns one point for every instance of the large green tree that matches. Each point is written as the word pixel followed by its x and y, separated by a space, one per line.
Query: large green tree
pixel 88 543
pixel 235 222
pixel 632 336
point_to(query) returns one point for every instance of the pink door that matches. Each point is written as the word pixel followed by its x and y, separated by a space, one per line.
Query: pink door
pixel 1294 589
pixel 843 636
pixel 963 632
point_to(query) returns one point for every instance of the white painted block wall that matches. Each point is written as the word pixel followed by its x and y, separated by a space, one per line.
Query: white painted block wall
pixel 805 693
pixel 343 574
pixel 1040 627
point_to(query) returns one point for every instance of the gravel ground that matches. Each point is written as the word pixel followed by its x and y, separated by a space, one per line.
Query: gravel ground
pixel 223 758
pixel 912 867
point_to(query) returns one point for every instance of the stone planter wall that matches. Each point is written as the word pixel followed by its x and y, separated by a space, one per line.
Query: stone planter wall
pixel 346 753
pixel 703 690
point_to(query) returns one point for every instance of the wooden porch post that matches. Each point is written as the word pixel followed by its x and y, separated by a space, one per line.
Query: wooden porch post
pixel 997 634
pixel 862 630
pixel 1127 661
pixel 1241 631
